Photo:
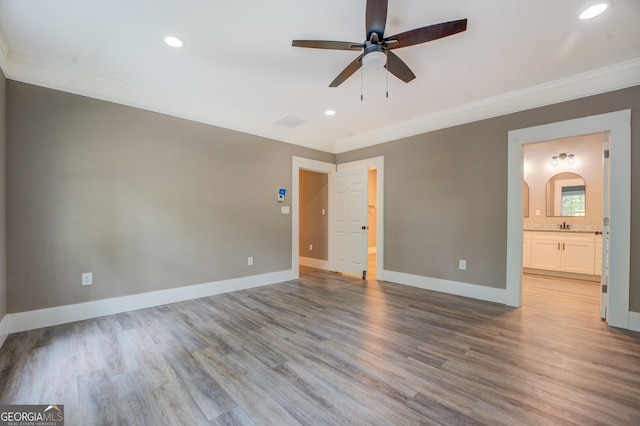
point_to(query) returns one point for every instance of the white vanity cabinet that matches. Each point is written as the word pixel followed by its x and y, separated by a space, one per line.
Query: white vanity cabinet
pixel 566 252
pixel 597 267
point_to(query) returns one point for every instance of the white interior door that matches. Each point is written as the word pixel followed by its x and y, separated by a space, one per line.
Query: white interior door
pixel 350 224
pixel 606 212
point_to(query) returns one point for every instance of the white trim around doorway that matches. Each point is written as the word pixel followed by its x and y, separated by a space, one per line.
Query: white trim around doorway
pixel 619 125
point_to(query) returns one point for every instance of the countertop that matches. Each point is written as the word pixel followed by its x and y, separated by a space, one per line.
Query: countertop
pixel 583 229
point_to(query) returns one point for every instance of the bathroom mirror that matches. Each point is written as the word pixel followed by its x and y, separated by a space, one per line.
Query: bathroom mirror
pixel 525 199
pixel 566 195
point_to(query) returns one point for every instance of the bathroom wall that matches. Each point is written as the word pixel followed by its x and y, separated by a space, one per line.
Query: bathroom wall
pixel 588 164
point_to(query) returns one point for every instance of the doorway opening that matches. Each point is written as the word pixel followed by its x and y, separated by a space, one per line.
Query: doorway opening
pixel 373 230
pixel 373 241
pixel 564 195
pixel 314 219
pixel 618 124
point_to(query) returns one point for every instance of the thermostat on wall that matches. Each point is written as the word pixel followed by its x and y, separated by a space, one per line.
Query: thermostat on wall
pixel 281 193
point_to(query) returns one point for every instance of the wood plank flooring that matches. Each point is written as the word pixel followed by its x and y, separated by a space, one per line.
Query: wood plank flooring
pixel 332 350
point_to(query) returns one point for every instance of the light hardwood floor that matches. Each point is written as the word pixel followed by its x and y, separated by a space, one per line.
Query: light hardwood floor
pixel 333 350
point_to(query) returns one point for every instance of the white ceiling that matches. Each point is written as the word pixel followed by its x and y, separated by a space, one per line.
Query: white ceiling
pixel 239 70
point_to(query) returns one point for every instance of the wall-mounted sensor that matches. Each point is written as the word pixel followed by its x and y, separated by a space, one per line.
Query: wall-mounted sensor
pixel 281 194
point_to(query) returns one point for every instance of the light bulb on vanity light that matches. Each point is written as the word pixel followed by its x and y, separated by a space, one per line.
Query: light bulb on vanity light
pixel 555 160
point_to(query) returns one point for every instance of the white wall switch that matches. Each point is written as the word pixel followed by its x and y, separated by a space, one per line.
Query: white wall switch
pixel 324 212
pixel 310 247
pixel 87 278
pixel 285 210
pixel 250 260
pixel 537 212
pixel 462 265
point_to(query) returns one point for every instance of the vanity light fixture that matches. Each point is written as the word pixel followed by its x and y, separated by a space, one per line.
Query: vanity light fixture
pixel 329 112
pixel 563 156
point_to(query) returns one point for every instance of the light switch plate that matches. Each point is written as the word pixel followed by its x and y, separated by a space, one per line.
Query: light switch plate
pixel 285 210
pixel 462 265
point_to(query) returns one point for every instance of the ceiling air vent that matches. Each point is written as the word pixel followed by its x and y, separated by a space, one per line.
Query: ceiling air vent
pixel 289 121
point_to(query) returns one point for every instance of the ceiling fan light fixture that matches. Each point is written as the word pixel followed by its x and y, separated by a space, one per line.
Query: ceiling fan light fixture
pixel 374 60
pixel 594 10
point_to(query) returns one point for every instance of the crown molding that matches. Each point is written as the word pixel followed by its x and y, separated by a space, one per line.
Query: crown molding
pixel 32 70
pixel 44 73
pixel 601 80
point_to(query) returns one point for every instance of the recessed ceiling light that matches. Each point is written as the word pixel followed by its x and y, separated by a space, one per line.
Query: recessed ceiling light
pixel 595 10
pixel 173 41
pixel 329 112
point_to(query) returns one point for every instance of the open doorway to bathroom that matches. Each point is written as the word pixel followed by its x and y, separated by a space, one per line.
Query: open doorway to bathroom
pixel 564 193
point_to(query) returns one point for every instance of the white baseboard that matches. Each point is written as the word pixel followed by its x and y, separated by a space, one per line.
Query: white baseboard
pixel 373 250
pixel 634 321
pixel 13 323
pixel 497 295
pixel 314 263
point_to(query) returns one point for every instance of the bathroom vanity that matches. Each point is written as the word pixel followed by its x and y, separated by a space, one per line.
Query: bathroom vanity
pixel 565 251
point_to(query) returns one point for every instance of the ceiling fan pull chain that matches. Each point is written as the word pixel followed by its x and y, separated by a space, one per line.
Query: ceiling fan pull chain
pixel 361 85
pixel 387 74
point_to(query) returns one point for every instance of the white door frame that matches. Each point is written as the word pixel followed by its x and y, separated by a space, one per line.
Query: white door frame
pixel 299 163
pixel 378 164
pixel 619 125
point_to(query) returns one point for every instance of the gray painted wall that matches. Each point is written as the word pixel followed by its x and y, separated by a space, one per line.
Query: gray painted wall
pixel 446 193
pixel 3 256
pixel 143 200
pixel 314 227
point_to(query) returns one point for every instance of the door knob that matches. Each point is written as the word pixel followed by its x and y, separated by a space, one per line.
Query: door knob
pixel 365 227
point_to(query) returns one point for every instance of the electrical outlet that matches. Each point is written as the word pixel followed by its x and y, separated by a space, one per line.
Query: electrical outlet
pixel 310 247
pixel 462 265
pixel 250 261
pixel 87 278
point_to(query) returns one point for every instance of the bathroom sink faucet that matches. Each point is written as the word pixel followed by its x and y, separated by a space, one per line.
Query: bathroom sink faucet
pixel 565 225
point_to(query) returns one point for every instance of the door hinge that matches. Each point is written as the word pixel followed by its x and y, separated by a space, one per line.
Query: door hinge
pixel 605 288
pixel 606 153
pixel 364 275
pixel 605 221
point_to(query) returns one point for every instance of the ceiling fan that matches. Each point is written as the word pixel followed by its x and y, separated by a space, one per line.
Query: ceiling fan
pixel 377 49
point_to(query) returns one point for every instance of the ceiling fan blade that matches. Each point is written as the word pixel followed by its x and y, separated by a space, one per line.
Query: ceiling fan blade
pixel 397 67
pixel 376 17
pixel 347 72
pixel 429 33
pixel 333 45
